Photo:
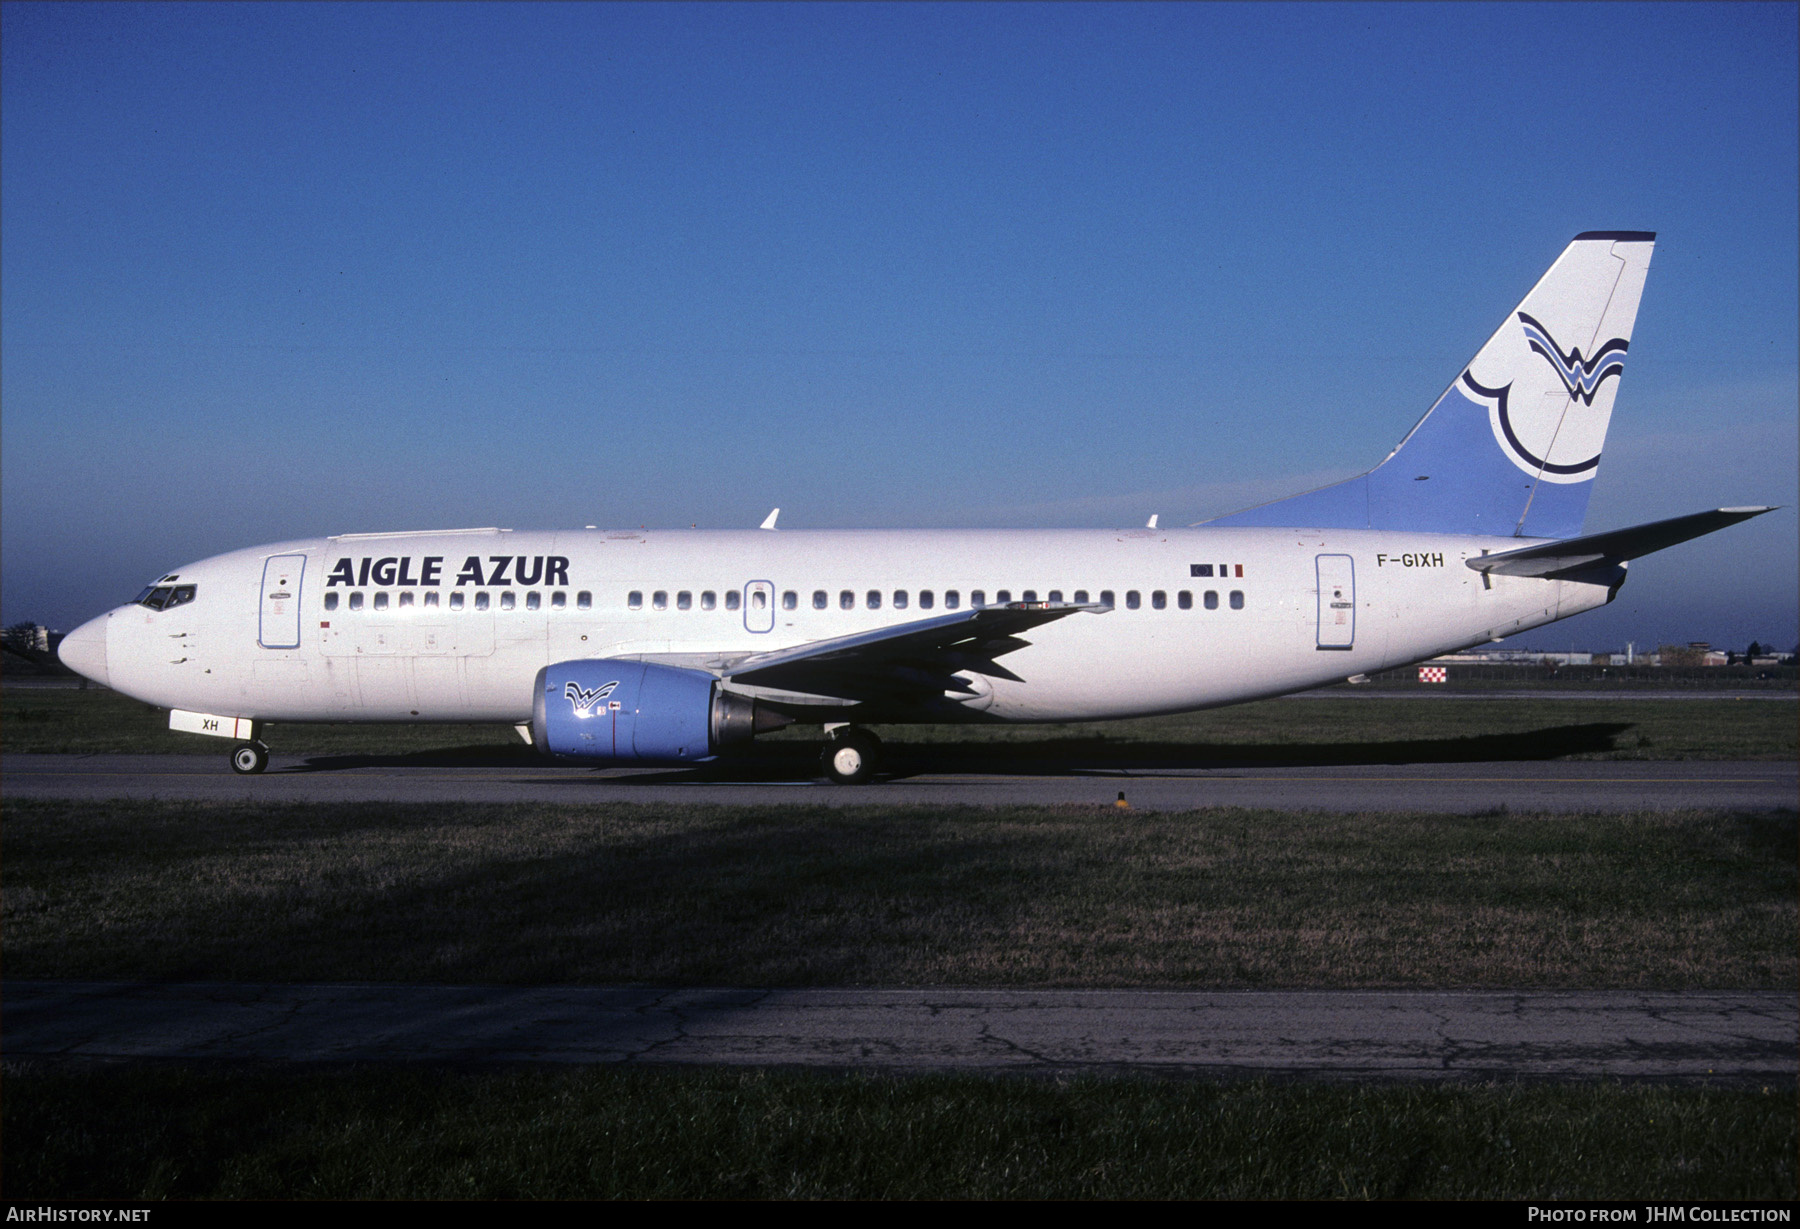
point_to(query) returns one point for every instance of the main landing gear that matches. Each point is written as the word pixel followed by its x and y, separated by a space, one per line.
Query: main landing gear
pixel 250 757
pixel 851 756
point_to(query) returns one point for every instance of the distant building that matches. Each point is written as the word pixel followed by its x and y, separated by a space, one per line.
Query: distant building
pixel 1516 657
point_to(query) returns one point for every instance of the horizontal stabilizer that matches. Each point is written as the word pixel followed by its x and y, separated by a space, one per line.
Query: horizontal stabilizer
pixel 1550 559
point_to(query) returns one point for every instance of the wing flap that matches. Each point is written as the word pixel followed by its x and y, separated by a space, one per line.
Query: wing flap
pixel 917 658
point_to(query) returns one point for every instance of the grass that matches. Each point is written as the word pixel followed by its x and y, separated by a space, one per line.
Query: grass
pixel 1359 730
pixel 188 1131
pixel 1021 896
pixel 793 896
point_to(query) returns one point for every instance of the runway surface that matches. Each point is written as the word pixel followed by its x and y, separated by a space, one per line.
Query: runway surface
pixel 1556 786
pixel 1386 1035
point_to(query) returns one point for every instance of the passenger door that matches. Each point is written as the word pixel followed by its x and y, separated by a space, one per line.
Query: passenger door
pixel 279 624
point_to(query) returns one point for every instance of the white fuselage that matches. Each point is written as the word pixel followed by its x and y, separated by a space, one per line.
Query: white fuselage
pixel 427 627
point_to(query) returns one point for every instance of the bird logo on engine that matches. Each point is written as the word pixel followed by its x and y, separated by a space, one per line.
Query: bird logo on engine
pixel 583 699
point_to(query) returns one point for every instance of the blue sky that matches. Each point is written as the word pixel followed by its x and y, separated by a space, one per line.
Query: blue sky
pixel 273 271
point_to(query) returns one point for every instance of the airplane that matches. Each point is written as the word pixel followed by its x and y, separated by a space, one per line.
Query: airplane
pixel 629 647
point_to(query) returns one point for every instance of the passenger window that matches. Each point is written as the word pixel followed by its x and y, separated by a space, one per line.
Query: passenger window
pixel 1106 598
pixel 1159 600
pixel 481 600
pixel 356 601
pixel 684 600
pixel 820 599
pixel 874 599
pixel 633 600
pixel 508 599
pixel 790 600
pixel 533 600
pixel 952 599
pixel 1055 595
pixel 558 600
pixel 1212 599
pixel 1081 597
pixel 846 600
pixel 708 599
pixel 1185 600
pixel 1132 601
pixel 759 600
pixel 1003 597
pixel 406 597
pixel 381 600
pixel 1237 599
pixel 331 601
pixel 924 599
pixel 977 599
pixel 899 599
pixel 456 601
pixel 733 599
pixel 1030 595
pixel 659 600
pixel 585 600
pixel 431 599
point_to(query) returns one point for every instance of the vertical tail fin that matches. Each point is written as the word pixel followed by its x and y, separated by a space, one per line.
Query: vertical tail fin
pixel 1512 446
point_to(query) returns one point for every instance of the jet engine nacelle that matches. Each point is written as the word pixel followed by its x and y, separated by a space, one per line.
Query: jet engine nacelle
pixel 638 712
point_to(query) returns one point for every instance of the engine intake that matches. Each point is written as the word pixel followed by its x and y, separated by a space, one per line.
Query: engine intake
pixel 637 712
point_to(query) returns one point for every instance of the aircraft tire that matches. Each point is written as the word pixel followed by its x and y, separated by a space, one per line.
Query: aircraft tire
pixel 852 757
pixel 249 758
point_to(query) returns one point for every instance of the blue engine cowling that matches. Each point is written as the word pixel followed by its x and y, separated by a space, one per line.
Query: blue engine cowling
pixel 636 712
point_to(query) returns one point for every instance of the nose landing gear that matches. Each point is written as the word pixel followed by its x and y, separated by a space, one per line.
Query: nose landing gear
pixel 249 757
pixel 851 756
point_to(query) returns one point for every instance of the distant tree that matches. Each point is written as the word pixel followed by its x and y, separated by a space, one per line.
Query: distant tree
pixel 1681 655
pixel 21 638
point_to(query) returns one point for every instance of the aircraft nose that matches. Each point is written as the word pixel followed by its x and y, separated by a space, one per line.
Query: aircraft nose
pixel 84 650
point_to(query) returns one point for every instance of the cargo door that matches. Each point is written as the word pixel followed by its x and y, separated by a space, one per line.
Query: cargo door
pixel 279 625
pixel 1337 601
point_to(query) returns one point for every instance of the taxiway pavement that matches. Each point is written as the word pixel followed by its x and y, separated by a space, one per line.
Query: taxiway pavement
pixel 1730 1036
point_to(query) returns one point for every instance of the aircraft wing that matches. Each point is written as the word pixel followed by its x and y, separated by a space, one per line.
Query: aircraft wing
pixel 921 657
pixel 1552 559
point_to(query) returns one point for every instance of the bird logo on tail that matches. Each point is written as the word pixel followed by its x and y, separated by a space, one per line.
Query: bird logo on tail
pixel 1580 376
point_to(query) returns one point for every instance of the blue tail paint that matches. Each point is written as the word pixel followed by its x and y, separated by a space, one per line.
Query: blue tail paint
pixel 1512 446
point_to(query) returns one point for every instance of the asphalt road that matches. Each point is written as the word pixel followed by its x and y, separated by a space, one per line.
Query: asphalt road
pixel 1734 1036
pixel 1620 785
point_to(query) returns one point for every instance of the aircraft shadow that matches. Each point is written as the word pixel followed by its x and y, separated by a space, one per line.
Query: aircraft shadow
pixel 782 761
pixel 481 756
pixel 1055 757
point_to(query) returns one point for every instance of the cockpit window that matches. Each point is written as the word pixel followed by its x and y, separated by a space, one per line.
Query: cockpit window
pixel 164 597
